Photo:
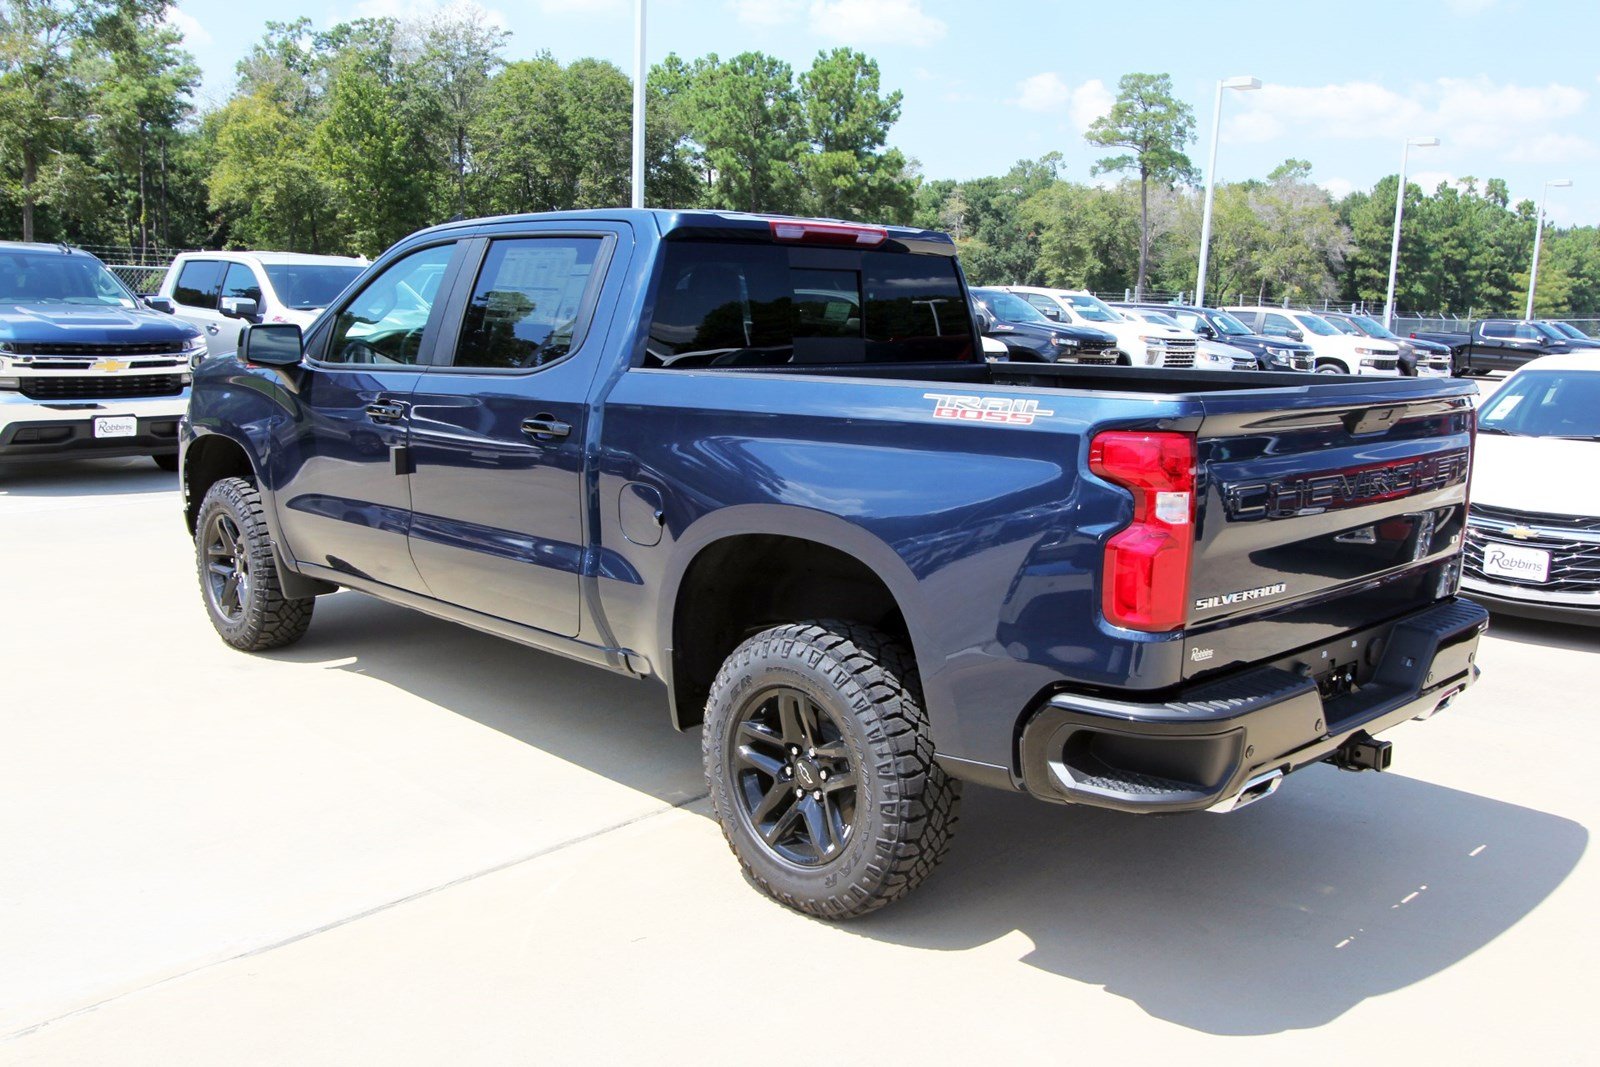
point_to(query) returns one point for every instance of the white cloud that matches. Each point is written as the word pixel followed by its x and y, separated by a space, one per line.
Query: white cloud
pixel 1048 94
pixel 1503 122
pixel 1089 101
pixel 194 34
pixel 1042 92
pixel 578 7
pixel 422 10
pixel 1429 180
pixel 859 22
pixel 1338 188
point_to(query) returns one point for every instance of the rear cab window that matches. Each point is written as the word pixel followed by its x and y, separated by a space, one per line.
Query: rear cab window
pixel 727 304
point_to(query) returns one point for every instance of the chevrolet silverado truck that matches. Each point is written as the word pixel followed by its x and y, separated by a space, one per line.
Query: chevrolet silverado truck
pixel 86 368
pixel 1499 344
pixel 761 464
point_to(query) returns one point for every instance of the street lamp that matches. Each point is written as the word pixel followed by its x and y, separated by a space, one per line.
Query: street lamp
pixel 1399 209
pixel 639 75
pixel 1243 84
pixel 1538 232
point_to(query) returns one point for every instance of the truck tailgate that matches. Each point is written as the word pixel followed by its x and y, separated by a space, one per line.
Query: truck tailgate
pixel 1315 520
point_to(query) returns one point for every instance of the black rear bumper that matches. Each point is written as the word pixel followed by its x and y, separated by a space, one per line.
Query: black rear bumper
pixel 1213 740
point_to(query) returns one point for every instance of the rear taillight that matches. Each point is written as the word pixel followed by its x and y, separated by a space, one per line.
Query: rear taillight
pixel 1146 579
pixel 828 233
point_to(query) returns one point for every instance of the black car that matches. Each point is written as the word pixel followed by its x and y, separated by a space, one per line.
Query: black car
pixel 1575 337
pixel 1272 353
pixel 1499 344
pixel 1431 357
pixel 1030 337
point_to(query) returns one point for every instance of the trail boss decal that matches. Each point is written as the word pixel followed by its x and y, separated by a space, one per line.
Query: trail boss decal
pixel 1001 410
pixel 1206 603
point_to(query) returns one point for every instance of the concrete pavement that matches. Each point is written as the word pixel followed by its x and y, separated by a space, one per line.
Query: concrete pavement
pixel 405 842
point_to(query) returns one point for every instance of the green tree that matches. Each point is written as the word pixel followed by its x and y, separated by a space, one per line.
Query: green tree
pixel 1155 127
pixel 41 101
pixel 745 116
pixel 459 54
pixel 266 180
pixel 848 171
pixel 1301 241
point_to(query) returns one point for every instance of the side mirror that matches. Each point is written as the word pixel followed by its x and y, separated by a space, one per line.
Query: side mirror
pixel 984 320
pixel 1053 314
pixel 162 303
pixel 1295 335
pixel 238 307
pixel 272 344
pixel 1205 331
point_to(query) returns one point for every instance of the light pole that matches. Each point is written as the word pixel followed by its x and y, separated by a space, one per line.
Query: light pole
pixel 1244 84
pixel 639 75
pixel 1538 232
pixel 1399 209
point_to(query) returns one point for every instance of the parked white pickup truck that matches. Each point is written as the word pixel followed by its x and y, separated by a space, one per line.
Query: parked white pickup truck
pixel 1142 344
pixel 221 292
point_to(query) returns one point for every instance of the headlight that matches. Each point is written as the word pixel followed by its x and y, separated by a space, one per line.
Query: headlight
pixel 1371 352
pixel 193 345
pixel 5 346
pixel 10 383
pixel 1063 342
pixel 1152 340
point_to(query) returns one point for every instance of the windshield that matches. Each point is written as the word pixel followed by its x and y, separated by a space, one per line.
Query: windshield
pixel 1008 307
pixel 55 278
pixel 1571 331
pixel 1545 403
pixel 306 286
pixel 1318 326
pixel 1373 328
pixel 1226 323
pixel 1159 319
pixel 1343 327
pixel 1549 331
pixel 1090 309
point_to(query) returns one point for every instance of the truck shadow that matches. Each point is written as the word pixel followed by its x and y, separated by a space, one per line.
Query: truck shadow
pixel 1283 916
pixel 1280 917
pixel 85 478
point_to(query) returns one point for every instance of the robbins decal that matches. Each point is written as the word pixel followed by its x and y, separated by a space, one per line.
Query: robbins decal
pixel 1206 603
pixel 1001 410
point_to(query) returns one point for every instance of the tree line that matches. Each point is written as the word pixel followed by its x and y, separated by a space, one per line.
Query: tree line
pixel 346 139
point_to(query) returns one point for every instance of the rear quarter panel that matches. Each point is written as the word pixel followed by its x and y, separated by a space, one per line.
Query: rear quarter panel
pixel 988 535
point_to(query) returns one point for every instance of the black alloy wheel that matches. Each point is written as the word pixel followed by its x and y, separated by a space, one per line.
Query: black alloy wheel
pixel 794 780
pixel 227 568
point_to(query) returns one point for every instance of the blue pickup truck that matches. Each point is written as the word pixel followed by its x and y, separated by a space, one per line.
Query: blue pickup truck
pixel 761 463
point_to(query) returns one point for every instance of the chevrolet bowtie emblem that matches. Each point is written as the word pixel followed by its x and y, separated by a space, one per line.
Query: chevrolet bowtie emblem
pixel 110 366
pixel 1521 533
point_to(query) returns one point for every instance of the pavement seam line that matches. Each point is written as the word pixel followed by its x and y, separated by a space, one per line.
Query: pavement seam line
pixel 358 916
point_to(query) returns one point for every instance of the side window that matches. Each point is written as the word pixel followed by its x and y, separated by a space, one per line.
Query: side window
pixel 528 307
pixel 241 281
pixel 1525 332
pixel 1046 306
pixel 197 283
pixel 1497 329
pixel 384 323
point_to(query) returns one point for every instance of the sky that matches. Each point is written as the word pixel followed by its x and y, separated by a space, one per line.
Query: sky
pixel 986 84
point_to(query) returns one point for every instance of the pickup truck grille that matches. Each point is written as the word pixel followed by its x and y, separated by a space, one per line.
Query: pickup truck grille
pixel 100 387
pixel 91 351
pixel 1385 362
pixel 1180 353
pixel 1098 353
pixel 1572 541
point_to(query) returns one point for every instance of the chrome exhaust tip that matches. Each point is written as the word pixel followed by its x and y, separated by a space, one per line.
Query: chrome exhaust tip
pixel 1258 788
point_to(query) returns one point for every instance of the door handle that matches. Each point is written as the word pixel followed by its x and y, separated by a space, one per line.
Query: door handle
pixel 212 327
pixel 545 426
pixel 386 410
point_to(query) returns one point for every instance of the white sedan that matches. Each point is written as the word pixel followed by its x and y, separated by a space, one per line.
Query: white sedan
pixel 1533 531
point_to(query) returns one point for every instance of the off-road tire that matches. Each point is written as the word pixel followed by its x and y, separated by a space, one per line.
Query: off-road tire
pixel 167 461
pixel 1328 366
pixel 904 803
pixel 265 618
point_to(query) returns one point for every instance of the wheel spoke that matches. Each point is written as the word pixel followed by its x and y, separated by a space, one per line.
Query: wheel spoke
pixel 770 802
pixel 832 750
pixel 843 780
pixel 792 718
pixel 816 825
pixel 754 731
pixel 835 817
pixel 767 765
pixel 228 597
pixel 221 570
pixel 785 822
